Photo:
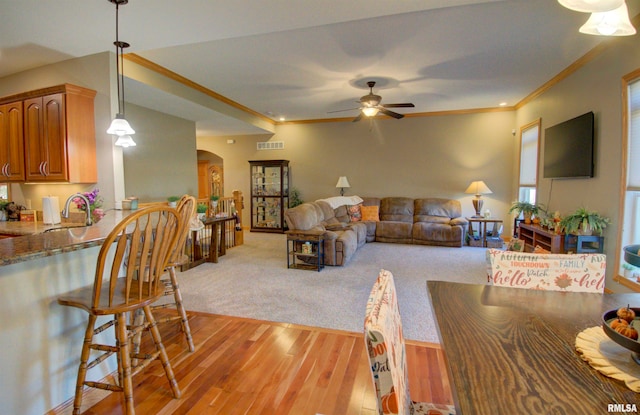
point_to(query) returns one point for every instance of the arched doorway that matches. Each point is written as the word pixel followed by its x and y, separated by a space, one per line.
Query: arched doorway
pixel 210 175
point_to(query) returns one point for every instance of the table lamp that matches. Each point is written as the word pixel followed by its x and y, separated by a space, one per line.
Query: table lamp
pixel 342 183
pixel 478 188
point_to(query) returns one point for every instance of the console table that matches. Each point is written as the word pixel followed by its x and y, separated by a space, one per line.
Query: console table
pixel 536 235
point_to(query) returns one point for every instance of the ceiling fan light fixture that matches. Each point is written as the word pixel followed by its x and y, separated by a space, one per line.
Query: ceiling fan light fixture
pixel 591 6
pixel 612 23
pixel 370 111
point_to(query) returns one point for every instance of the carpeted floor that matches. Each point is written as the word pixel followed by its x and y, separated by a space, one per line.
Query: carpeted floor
pixel 253 281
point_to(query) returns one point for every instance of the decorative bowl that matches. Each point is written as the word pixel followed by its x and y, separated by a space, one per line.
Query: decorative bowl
pixel 631 255
pixel 623 341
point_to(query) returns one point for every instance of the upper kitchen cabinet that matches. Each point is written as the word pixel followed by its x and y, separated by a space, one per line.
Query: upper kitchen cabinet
pixel 59 135
pixel 11 143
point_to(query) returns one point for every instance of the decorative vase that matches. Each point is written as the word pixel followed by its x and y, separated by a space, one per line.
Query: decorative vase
pixel 527 218
pixel 214 207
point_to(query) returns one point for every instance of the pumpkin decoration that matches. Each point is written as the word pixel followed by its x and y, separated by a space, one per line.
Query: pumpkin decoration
pixel 390 402
pixel 626 313
pixel 618 322
pixel 628 331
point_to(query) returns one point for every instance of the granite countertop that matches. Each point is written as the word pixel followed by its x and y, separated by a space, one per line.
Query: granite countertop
pixel 36 243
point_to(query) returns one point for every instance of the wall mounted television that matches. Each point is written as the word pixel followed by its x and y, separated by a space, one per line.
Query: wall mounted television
pixel 568 148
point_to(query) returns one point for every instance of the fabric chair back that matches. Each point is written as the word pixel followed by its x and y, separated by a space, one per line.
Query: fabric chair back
pixel 132 259
pixel 556 272
pixel 385 344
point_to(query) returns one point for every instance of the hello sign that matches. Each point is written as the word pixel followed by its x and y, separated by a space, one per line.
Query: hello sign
pixel 557 272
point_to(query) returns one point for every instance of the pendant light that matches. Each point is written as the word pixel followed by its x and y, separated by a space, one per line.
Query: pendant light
pixel 612 23
pixel 591 6
pixel 119 126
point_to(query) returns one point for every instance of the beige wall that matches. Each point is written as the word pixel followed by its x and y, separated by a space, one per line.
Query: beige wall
pixel 164 161
pixel 415 157
pixel 595 87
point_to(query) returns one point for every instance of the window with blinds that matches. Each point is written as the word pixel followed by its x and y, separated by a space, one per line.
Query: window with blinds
pixel 529 139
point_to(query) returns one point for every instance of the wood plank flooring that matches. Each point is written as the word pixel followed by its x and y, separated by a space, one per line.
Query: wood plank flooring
pixel 244 366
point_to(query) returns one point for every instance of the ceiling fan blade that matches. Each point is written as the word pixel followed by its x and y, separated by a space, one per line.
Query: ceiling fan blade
pixel 391 113
pixel 357 118
pixel 403 105
pixel 348 109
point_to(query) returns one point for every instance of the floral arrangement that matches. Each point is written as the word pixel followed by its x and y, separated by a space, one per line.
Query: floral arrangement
pixel 95 202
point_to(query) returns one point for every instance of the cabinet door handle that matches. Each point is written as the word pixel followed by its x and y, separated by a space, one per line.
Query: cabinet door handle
pixel 7 170
pixel 4 169
pixel 44 168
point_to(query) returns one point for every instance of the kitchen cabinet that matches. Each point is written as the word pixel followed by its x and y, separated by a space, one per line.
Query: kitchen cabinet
pixel 269 195
pixel 11 143
pixel 59 134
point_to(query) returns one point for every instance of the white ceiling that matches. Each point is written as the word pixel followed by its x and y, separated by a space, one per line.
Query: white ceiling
pixel 300 59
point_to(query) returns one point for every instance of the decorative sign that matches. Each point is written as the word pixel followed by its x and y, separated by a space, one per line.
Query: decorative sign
pixel 558 272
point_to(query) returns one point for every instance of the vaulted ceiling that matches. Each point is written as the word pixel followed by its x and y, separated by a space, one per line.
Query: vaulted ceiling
pixel 302 59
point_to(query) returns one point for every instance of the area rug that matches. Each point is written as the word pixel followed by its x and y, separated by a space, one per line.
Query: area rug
pixel 252 280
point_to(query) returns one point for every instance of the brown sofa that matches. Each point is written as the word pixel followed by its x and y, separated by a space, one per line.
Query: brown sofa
pixel 428 221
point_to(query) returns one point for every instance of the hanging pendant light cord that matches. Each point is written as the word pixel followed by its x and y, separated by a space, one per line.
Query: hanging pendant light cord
pixel 120 60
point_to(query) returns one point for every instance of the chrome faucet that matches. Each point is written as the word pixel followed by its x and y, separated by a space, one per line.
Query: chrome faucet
pixel 65 211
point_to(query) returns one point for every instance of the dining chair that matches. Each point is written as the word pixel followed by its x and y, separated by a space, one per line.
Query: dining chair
pixel 131 261
pixel 386 351
pixel 583 272
pixel 186 208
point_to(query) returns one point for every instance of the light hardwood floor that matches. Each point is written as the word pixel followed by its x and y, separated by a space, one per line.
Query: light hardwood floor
pixel 244 366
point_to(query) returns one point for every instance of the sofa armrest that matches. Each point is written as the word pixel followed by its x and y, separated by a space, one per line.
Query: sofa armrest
pixel 459 221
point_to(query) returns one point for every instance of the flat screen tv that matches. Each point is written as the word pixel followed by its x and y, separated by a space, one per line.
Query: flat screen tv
pixel 568 148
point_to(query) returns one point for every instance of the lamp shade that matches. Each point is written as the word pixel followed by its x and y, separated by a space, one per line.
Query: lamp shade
pixel 478 188
pixel 343 182
pixel 125 141
pixel 119 126
pixel 612 23
pixel 591 6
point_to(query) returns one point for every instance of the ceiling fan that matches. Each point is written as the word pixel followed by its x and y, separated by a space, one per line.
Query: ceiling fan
pixel 370 105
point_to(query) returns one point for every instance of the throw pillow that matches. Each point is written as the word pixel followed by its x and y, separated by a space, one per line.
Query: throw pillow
pixel 354 212
pixel 540 250
pixel 370 213
pixel 516 244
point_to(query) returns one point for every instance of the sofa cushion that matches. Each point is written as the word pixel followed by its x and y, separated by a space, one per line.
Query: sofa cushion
pixel 437 232
pixel 304 216
pixel 390 231
pixel 398 209
pixel 435 209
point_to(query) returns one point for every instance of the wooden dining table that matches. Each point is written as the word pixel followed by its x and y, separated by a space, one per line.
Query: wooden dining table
pixel 512 350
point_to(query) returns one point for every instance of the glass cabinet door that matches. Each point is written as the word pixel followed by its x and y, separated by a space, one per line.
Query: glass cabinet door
pixel 269 194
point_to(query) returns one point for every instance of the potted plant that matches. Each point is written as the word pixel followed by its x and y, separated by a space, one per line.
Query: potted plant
pixel 214 203
pixel 584 222
pixel 527 209
pixel 201 210
pixel 294 198
pixel 173 200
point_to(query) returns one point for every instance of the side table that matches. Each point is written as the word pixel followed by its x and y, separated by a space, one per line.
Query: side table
pixel 584 243
pixel 482 240
pixel 305 250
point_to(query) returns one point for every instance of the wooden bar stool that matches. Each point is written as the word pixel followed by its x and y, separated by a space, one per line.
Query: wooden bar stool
pixel 186 210
pixel 130 263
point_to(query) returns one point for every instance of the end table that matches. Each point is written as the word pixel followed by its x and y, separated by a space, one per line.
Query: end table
pixel 305 250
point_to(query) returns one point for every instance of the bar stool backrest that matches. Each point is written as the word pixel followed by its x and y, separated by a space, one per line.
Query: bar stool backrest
pixel 133 258
pixel 186 208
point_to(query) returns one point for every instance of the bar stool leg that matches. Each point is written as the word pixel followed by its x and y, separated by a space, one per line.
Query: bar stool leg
pixel 84 358
pixel 122 343
pixel 155 333
pixel 183 315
